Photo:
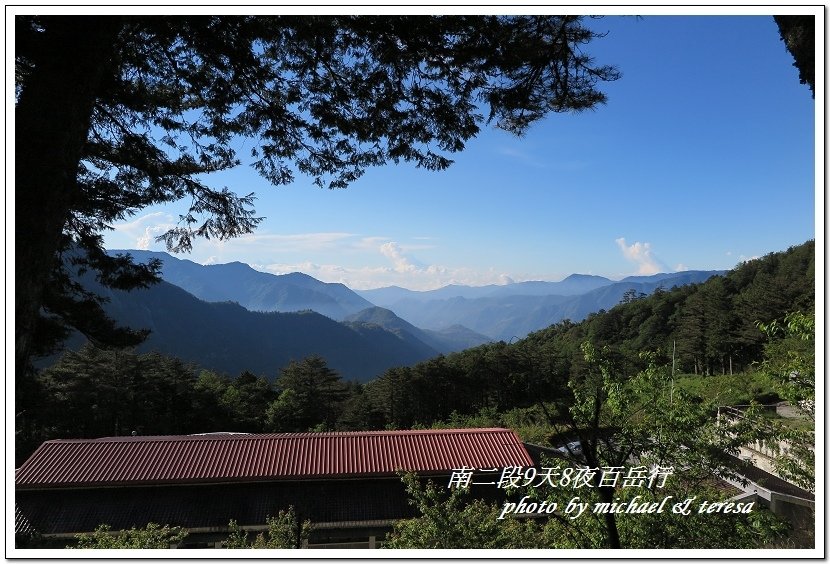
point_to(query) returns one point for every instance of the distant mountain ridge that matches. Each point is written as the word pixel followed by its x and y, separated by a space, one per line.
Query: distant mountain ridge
pixel 450 339
pixel 226 337
pixel 572 285
pixel 514 310
pixel 255 290
pixel 445 320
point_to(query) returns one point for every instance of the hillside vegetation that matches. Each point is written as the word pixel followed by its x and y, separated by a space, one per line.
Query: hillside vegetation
pixel 712 328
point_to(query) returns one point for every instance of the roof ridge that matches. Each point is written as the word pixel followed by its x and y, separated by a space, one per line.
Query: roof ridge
pixel 303 434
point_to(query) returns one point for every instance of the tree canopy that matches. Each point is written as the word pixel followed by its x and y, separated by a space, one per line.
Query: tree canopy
pixel 799 35
pixel 116 113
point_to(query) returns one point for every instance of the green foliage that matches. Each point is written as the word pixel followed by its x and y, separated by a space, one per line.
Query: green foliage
pixel 631 295
pixel 311 396
pixel 109 392
pixel 789 358
pixel 529 376
pixel 618 419
pixel 284 531
pixel 151 536
pixel 585 382
pixel 699 530
pixel 97 392
pixel 237 537
pixel 247 399
pixel 529 423
pixel 451 520
pixel 665 530
pixel 729 389
pixel 284 412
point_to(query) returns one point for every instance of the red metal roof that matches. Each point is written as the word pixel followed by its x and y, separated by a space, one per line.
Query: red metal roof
pixel 230 458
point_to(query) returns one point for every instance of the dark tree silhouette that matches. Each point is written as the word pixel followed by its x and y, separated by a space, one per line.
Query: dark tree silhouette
pixel 799 35
pixel 117 113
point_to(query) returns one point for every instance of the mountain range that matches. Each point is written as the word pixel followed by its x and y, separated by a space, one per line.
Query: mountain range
pixel 514 310
pixel 574 284
pixel 255 290
pixel 231 317
pixel 226 337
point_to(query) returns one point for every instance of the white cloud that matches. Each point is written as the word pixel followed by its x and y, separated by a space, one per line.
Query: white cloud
pixel 360 261
pixel 149 236
pixel 401 272
pixel 393 252
pixel 641 254
pixel 141 233
pixel 681 268
pixel 359 269
pixel 255 247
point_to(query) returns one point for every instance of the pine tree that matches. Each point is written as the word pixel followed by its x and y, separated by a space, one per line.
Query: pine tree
pixel 310 397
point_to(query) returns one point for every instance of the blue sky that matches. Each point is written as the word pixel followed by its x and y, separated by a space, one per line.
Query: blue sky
pixel 703 156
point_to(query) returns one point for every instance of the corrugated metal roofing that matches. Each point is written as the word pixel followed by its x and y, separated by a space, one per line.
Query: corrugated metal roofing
pixel 234 457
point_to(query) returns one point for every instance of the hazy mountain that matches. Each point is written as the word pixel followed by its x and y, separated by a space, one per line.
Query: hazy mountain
pixel 607 297
pixel 497 318
pixel 226 337
pixel 646 279
pixel 255 290
pixel 384 297
pixel 572 285
pixel 414 326
pixel 458 337
pixel 504 317
pixel 452 339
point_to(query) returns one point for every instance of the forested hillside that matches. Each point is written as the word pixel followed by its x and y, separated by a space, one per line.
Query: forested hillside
pixel 713 327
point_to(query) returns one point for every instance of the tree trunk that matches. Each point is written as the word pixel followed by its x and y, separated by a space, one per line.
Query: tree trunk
pixel 52 116
pixel 606 495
